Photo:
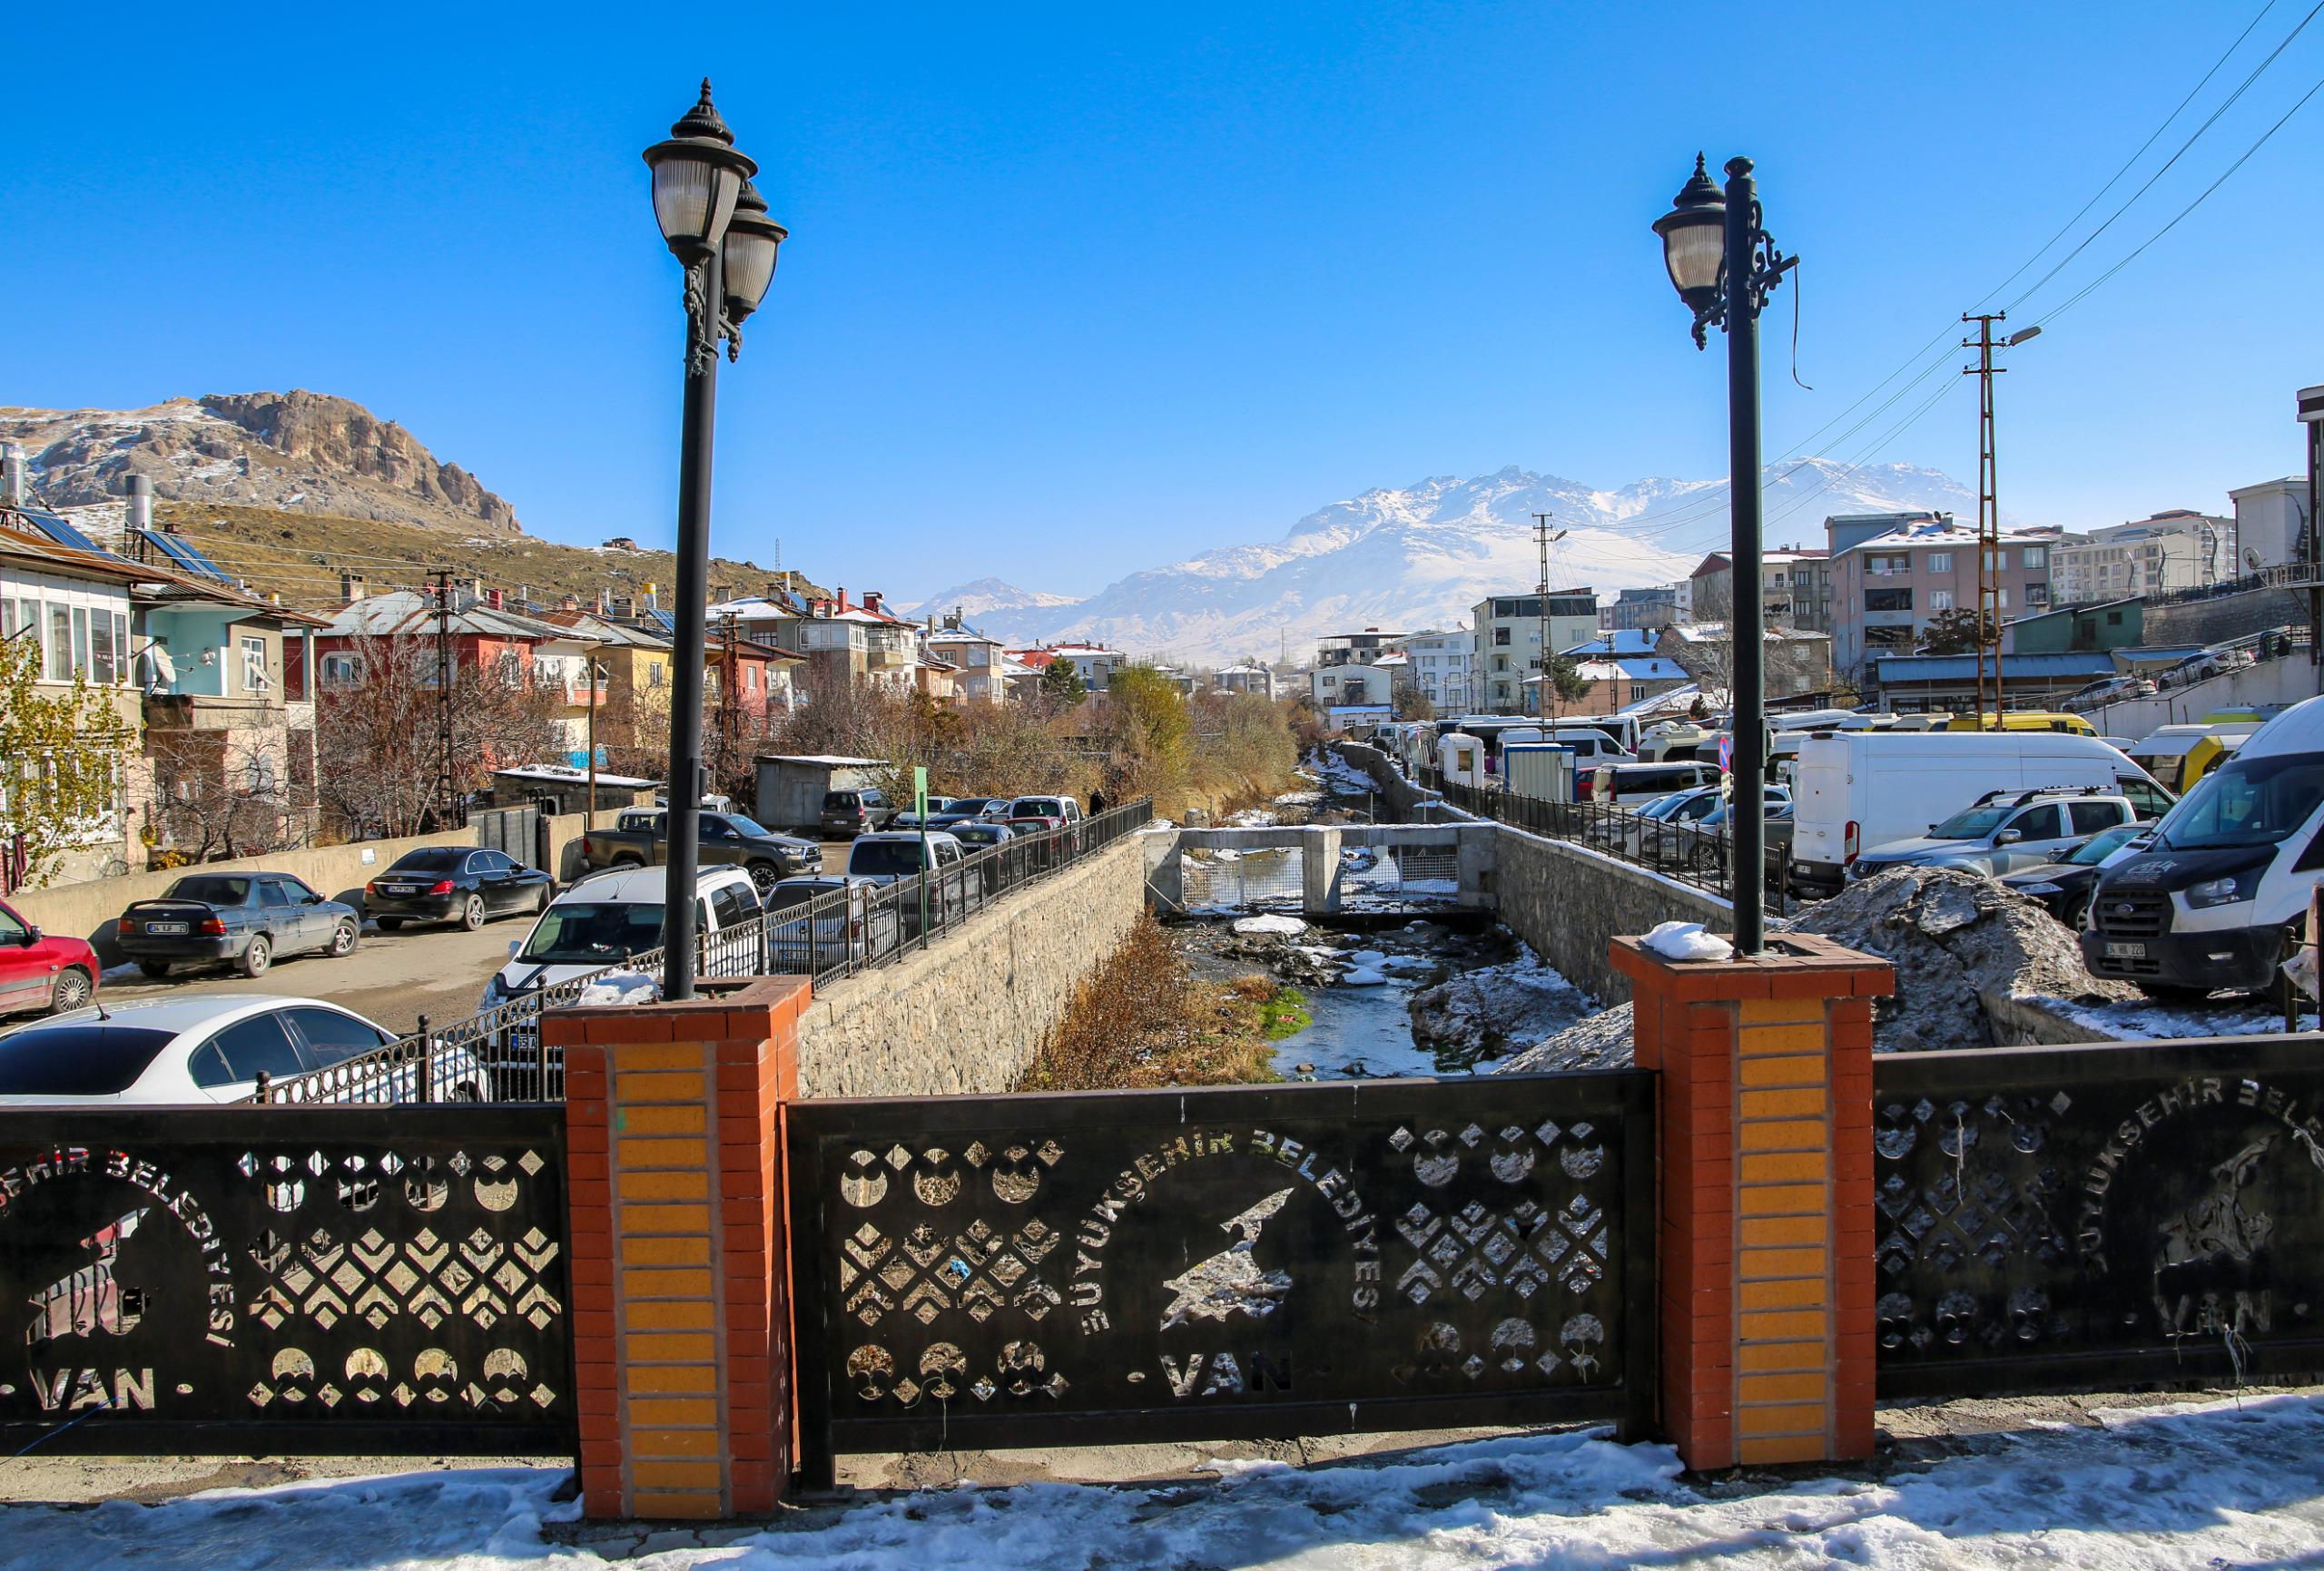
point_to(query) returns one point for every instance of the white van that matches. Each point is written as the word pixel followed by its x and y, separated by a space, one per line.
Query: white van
pixel 2205 904
pixel 1589 743
pixel 1861 788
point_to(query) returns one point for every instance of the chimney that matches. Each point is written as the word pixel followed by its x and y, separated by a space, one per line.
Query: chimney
pixel 350 589
pixel 774 590
pixel 494 598
pixel 872 602
pixel 840 591
pixel 570 602
pixel 12 474
pixel 141 502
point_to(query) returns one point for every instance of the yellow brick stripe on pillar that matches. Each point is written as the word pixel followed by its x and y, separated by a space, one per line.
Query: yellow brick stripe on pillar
pixel 1784 1324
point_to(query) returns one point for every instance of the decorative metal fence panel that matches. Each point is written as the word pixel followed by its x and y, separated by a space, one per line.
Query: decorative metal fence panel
pixel 1231 880
pixel 230 1279
pixel 2055 1218
pixel 1132 1266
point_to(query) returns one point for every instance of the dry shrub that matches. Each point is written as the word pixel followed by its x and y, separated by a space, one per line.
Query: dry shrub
pixel 1141 1020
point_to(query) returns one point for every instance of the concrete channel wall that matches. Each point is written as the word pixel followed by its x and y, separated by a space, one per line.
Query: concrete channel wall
pixel 1570 902
pixel 1407 802
pixel 969 1013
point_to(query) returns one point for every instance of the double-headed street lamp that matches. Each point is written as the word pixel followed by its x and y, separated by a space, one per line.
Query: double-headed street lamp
pixel 716 224
pixel 1724 265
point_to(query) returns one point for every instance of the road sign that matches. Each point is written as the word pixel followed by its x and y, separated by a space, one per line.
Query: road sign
pixel 1725 754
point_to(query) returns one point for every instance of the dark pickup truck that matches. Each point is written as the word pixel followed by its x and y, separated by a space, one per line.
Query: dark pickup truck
pixel 640 838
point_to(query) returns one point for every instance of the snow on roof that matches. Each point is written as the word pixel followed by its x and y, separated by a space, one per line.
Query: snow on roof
pixel 409 611
pixel 565 774
pixel 832 760
pixel 1677 698
pixel 1947 533
pixel 753 607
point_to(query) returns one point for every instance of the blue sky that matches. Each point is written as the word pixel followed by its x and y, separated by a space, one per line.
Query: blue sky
pixel 1077 290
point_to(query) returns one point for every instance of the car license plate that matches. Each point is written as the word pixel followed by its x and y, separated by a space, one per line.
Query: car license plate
pixel 165 928
pixel 2119 951
pixel 398 889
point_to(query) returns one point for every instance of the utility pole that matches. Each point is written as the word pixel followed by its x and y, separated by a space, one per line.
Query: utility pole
pixel 1988 517
pixel 1541 603
pixel 441 578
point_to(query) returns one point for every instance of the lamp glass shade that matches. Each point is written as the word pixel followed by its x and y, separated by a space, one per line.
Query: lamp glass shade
pixel 746 258
pixel 1694 242
pixel 694 198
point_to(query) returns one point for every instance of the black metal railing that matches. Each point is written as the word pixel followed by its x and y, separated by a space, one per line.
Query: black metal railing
pixel 497 1054
pixel 1685 852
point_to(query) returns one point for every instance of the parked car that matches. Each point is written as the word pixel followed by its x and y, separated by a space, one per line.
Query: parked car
pixel 2063 886
pixel 453 884
pixel 212 1047
pixel 970 810
pixel 2208 900
pixel 1632 785
pixel 1036 814
pixel 909 818
pixel 861 811
pixel 1858 790
pixel 976 837
pixel 41 970
pixel 895 854
pixel 1688 819
pixel 598 924
pixel 2004 830
pixel 828 920
pixel 244 919
pixel 640 838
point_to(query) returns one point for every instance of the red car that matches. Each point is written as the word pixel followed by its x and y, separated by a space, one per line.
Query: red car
pixel 39 971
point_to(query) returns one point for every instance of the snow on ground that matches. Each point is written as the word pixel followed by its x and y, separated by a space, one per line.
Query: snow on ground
pixel 2188 1487
pixel 1271 922
pixel 2235 1016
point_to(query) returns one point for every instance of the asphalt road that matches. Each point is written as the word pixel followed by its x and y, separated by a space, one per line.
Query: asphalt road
pixel 391 978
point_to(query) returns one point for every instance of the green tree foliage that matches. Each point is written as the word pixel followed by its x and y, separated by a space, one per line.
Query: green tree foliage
pixel 1062 683
pixel 1148 730
pixel 60 786
pixel 1951 632
pixel 1566 680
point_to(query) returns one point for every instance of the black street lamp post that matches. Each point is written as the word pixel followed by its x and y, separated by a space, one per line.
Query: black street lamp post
pixel 1724 265
pixel 717 226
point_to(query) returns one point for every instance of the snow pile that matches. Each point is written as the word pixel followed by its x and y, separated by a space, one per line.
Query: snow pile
pixel 1366 968
pixel 1963 946
pixel 1686 941
pixel 1604 1041
pixel 1289 926
pixel 2155 1022
pixel 621 987
pixel 2186 1485
pixel 1484 1012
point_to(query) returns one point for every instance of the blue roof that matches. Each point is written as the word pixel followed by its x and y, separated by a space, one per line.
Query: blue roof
pixel 1964 667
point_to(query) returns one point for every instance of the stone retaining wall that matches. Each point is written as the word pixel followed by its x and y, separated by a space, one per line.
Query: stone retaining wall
pixel 1570 902
pixel 969 1013
pixel 1407 803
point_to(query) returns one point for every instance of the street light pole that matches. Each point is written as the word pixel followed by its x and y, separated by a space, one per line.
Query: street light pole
pixel 716 225
pixel 1724 265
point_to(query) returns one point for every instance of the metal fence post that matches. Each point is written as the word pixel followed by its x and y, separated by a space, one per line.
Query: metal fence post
pixel 427 1062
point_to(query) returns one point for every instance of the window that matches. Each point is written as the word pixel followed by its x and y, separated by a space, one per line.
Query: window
pixel 2038 595
pixel 338 671
pixel 1887 563
pixel 254 677
pixel 1996 560
pixel 104 654
pixel 256 1047
pixel 332 1037
pixel 2113 619
pixel 1887 600
pixel 59 654
pixel 2036 557
pixel 1501 637
pixel 2046 822
pixel 2001 599
pixel 1940 562
pixel 1940 600
pixel 2093 818
pixel 271 894
pixel 731 906
pixel 654 673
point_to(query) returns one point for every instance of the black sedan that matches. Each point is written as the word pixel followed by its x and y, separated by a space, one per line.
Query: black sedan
pixel 454 884
pixel 2063 886
pixel 244 919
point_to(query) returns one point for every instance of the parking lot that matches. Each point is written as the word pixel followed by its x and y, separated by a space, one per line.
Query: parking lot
pixel 392 979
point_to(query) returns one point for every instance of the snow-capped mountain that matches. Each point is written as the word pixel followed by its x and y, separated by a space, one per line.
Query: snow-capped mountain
pixel 984 597
pixel 1421 556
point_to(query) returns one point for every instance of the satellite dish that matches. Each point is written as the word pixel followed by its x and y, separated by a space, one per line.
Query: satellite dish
pixel 2251 558
pixel 162 671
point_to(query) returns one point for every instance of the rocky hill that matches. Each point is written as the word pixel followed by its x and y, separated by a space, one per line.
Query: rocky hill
pixel 289 452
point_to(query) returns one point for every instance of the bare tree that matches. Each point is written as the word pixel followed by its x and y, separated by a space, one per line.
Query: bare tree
pixel 376 738
pixel 214 797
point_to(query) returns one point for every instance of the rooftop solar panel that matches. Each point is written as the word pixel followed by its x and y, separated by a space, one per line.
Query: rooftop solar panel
pixel 665 620
pixel 64 534
pixel 185 554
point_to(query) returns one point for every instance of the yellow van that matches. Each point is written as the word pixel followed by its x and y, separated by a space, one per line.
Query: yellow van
pixel 2024 720
pixel 2179 755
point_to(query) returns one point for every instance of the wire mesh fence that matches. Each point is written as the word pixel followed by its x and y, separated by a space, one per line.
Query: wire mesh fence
pixel 498 1053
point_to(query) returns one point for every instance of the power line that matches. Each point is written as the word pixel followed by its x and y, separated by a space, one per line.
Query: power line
pixel 2242 88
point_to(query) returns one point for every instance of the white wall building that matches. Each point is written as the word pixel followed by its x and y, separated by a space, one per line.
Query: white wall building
pixel 2175 550
pixel 1438 667
pixel 2269 519
pixel 1508 641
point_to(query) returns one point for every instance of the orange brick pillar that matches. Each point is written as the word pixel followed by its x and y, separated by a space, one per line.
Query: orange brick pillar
pixel 1765 1166
pixel 681 1316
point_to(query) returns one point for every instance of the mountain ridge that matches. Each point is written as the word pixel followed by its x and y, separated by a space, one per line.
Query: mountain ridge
pixel 1422 554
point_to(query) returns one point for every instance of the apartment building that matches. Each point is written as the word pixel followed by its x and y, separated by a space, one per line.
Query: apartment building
pixel 1438 667
pixel 1794 588
pixel 1343 674
pixel 1636 610
pixel 2271 522
pixel 2179 549
pixel 976 657
pixel 1508 641
pixel 1887 587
